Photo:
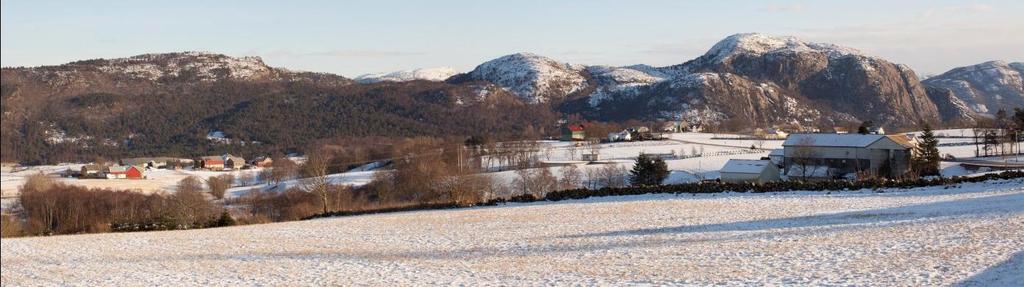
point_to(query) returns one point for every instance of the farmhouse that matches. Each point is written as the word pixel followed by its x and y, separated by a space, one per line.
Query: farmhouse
pixel 226 161
pixel 233 162
pixel 573 133
pixel 746 170
pixel 117 172
pixel 845 155
pixel 93 171
pixel 263 161
pixel 770 133
pixel 623 136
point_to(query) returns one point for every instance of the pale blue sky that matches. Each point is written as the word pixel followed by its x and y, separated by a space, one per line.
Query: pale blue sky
pixel 356 37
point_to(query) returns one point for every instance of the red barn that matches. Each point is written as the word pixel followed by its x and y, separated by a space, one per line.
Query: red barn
pixel 211 162
pixel 135 172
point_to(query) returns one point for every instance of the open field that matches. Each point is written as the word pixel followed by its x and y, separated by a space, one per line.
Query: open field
pixel 972 233
pixel 621 153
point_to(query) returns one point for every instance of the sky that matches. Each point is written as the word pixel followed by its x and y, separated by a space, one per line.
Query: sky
pixel 356 37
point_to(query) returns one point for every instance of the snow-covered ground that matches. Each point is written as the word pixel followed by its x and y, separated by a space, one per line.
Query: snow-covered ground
pixel 621 153
pixel 971 234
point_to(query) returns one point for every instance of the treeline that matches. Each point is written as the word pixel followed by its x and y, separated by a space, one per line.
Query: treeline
pixel 1000 135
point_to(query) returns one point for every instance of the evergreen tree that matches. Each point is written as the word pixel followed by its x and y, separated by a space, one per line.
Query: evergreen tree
pixel 1018 118
pixel 864 127
pixel 648 170
pixel 926 158
pixel 225 220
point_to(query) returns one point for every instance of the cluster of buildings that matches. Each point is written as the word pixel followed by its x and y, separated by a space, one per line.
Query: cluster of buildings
pixel 112 171
pixel 137 168
pixel 635 134
pixel 827 156
pixel 577 132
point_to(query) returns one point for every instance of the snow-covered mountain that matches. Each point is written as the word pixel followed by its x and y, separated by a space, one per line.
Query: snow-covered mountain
pixel 767 80
pixel 984 88
pixel 760 45
pixel 429 74
pixel 754 78
pixel 533 78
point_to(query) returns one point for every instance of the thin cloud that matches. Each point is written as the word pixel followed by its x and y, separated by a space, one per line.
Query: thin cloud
pixel 783 8
pixel 957 9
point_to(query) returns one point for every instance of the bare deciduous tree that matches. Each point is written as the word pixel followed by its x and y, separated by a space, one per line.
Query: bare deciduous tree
pixel 612 175
pixel 282 169
pixel 189 184
pixel 246 179
pixel 315 170
pixel 217 185
pixel 571 178
pixel 805 158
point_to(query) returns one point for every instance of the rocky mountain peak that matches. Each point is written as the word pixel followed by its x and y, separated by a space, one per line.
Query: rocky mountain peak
pixel 755 44
pixel 985 87
pixel 202 66
pixel 532 77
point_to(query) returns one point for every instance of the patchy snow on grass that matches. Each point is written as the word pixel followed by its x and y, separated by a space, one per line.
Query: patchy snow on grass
pixel 970 233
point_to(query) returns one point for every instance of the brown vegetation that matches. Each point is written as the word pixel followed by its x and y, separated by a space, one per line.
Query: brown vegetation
pixel 46 207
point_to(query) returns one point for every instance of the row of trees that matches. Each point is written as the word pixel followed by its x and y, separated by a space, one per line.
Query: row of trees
pixel 46 207
pixel 1000 135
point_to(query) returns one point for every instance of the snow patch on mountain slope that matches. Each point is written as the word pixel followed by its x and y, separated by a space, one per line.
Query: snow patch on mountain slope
pixel 693 80
pixel 616 82
pixel 430 74
pixel 760 44
pixel 533 78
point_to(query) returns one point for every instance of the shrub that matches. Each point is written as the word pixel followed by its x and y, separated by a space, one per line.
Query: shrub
pixel 218 185
pixel 225 220
pixel 10 226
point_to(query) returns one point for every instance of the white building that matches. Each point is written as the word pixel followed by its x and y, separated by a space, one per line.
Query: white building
pixel 746 170
pixel 623 136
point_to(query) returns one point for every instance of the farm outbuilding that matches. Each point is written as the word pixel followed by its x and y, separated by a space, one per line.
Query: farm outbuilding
pixel 845 155
pixel 746 170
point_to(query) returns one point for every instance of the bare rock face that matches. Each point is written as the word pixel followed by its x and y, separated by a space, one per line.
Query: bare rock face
pixel 840 79
pixel 735 101
pixel 873 89
pixel 766 81
pixel 951 108
pixel 985 87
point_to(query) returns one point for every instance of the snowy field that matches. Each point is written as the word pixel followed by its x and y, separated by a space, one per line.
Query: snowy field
pixel 972 234
pixel 621 153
